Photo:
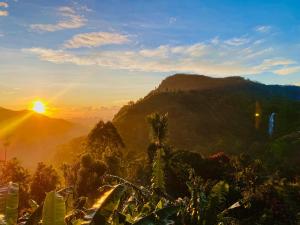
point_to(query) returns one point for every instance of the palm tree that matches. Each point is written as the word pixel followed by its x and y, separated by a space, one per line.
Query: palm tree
pixel 159 127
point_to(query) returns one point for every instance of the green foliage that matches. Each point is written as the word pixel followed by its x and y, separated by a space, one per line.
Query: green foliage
pixel 12 171
pixel 103 136
pixel 159 217
pixel 44 179
pixel 105 144
pixel 158 171
pixel 214 117
pixel 54 209
pixel 159 127
pixel 88 176
pixel 106 205
pixel 9 201
pixel 206 202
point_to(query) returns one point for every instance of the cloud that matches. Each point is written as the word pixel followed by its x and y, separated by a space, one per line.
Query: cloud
pixel 288 70
pixel 70 20
pixel 263 29
pixel 95 39
pixel 4 13
pixel 136 60
pixel 209 58
pixel 172 20
pixel 4 4
pixel 237 41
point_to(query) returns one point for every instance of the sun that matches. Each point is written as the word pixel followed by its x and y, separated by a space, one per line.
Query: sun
pixel 39 107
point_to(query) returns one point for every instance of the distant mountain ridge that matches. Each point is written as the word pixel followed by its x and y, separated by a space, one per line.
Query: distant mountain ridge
pixel 208 115
pixel 32 137
pixel 185 82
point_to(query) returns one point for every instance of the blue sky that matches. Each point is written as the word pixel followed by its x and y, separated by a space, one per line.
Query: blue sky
pixel 89 57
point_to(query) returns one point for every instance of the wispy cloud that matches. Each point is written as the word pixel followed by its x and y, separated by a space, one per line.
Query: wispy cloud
pixel 288 70
pixel 237 41
pixel 263 29
pixel 172 20
pixel 270 63
pixel 203 58
pixel 4 4
pixel 70 20
pixel 4 13
pixel 95 39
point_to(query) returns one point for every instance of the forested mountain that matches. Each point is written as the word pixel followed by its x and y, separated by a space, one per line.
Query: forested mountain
pixel 209 115
pixel 32 137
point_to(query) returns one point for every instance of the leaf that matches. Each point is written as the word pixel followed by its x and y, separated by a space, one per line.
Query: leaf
pixel 35 217
pixel 54 209
pixel 9 202
pixel 158 217
pixel 218 192
pixel 103 209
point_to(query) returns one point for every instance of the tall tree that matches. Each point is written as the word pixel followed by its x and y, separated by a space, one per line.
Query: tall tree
pixel 44 179
pixel 89 176
pixel 159 130
pixel 159 127
pixel 103 136
pixel 105 144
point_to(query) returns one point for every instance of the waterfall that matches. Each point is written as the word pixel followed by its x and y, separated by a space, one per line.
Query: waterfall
pixel 271 124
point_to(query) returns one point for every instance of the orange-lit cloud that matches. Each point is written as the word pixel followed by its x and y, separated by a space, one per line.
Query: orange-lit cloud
pixel 95 39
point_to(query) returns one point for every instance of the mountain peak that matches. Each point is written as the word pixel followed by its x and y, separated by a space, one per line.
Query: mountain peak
pixel 187 82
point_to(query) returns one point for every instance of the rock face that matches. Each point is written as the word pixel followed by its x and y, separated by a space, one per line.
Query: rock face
pixel 209 115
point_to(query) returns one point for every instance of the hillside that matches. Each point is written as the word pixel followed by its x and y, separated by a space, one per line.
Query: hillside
pixel 209 115
pixel 32 137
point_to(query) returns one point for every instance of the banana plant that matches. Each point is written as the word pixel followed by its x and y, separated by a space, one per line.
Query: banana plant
pixel 54 209
pixel 161 217
pixel 102 212
pixel 9 202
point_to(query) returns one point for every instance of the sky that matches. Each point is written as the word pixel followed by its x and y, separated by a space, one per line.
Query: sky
pixel 86 58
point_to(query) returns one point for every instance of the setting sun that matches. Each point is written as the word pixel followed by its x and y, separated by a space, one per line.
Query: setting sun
pixel 39 107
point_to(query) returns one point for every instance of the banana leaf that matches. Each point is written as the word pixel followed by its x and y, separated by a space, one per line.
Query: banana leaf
pixel 103 209
pixel 35 217
pixel 54 209
pixel 158 217
pixel 9 202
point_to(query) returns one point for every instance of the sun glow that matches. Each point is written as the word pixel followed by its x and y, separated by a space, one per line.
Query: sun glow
pixel 39 107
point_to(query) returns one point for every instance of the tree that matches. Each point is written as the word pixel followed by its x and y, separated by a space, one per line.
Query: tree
pixel 105 144
pixel 44 179
pixel 159 127
pixel 89 176
pixel 12 171
pixel 102 137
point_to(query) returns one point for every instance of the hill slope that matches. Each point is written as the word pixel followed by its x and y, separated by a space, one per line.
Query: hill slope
pixel 211 114
pixel 31 137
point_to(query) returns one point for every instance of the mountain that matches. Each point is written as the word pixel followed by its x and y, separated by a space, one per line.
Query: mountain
pixel 209 115
pixel 32 137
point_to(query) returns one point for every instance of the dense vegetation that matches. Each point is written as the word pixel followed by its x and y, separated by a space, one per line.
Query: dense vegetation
pixel 206 157
pixel 208 115
pixel 165 187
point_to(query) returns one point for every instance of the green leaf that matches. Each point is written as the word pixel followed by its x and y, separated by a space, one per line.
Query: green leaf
pixel 9 202
pixel 35 217
pixel 158 217
pixel 54 209
pixel 103 209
